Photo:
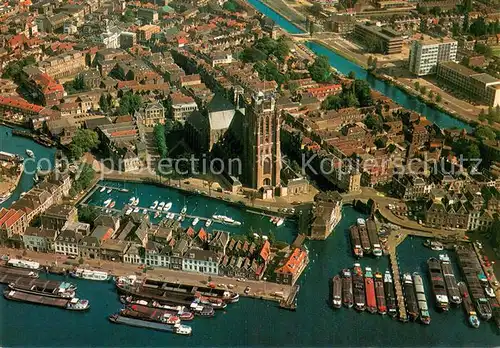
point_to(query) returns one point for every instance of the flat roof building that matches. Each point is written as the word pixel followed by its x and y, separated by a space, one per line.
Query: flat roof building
pixel 384 39
pixel 427 53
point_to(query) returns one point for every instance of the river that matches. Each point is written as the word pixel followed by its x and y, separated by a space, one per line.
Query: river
pixel 345 66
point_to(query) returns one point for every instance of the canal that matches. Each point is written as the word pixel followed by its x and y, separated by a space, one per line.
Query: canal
pixel 44 157
pixel 345 66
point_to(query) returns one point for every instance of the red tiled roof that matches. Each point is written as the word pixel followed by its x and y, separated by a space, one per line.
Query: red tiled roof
pixel 20 103
pixel 190 232
pixel 293 263
pixel 14 218
pixel 7 216
pixel 202 235
pixel 265 251
pixel 123 133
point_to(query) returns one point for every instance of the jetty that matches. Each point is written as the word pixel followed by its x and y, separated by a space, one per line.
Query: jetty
pixel 396 276
pixel 290 302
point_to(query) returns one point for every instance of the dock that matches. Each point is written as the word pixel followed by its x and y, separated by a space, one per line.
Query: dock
pixel 290 302
pixel 396 276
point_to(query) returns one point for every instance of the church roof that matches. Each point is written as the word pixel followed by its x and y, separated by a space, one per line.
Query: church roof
pixel 219 103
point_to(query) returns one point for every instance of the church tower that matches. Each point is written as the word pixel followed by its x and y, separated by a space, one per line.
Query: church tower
pixel 262 143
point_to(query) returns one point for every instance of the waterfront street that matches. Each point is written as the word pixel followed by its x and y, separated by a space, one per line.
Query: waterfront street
pixel 258 289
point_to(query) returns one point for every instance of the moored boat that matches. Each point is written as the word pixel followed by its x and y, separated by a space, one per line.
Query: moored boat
pixel 64 290
pixel 179 311
pixel 112 205
pixel 379 293
pixel 337 292
pixel 347 296
pixel 371 227
pixel 356 241
pixel 410 298
pixel 89 274
pixel 468 306
pixel 30 153
pixel 107 202
pixel 195 221
pixel 449 280
pixel 129 211
pixel 167 206
pixel 184 210
pixel 358 284
pixel 423 308
pixel 208 223
pixel 102 189
pixel 177 328
pixel 371 300
pixel 280 222
pixel 438 284
pixel 363 235
pixel 390 295
pixel 74 303
pixel 154 205
pixel 23 264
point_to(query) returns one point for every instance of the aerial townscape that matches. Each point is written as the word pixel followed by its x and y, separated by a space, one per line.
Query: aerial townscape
pixel 225 169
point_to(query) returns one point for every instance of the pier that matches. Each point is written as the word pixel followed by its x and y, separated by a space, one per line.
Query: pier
pixel 396 276
pixel 290 302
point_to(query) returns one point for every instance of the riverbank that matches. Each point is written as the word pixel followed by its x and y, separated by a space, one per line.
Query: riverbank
pixel 287 12
pixel 347 54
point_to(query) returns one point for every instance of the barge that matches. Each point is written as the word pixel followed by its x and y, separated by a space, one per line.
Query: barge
pixel 195 307
pixel 177 329
pixel 337 292
pixel 356 241
pixel 473 273
pixel 64 290
pixel 183 314
pixel 423 308
pixel 371 301
pixel 371 227
pixel 73 304
pixel 347 297
pixel 410 297
pixel 390 294
pixel 18 272
pixel 379 293
pixel 449 279
pixel 469 309
pixel 23 264
pixel 363 235
pixel 358 284
pixel 438 284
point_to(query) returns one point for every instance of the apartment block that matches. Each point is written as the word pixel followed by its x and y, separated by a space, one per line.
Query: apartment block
pixel 426 54
pixel 482 86
pixel 391 42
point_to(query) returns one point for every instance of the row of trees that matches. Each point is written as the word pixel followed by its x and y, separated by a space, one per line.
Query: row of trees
pixel 492 116
pixel 263 48
pixel 130 103
pixel 321 70
pixel 160 140
pixel 430 94
pixel 357 94
pixel 83 180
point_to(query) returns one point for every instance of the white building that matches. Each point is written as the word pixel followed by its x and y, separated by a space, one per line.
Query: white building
pixel 66 243
pixel 201 261
pixel 39 239
pixel 425 54
pixel 133 255
pixel 154 255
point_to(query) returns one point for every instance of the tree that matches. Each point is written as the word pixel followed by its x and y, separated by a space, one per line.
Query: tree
pixel 293 86
pixel 381 142
pixel 87 214
pixel 416 84
pixel 320 70
pixel 483 49
pixel 482 116
pixel 478 27
pixel 128 16
pixel 349 99
pixel 83 179
pixel 104 103
pixel 363 93
pixel 352 75
pixel 316 9
pixel 438 98
pixel 84 140
pixel 473 151
pixel 369 62
pixel 230 6
pixel 14 68
pixel 485 133
pixel 160 140
pixel 312 29
pixel 465 24
pixel 430 94
pixel 252 55
pixel 374 122
pixel 423 89
pixel 130 103
pixel 332 102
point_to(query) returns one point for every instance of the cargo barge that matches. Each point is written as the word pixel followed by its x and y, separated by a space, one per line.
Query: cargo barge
pixel 18 272
pixel 196 308
pixel 177 329
pixel 64 290
pixel 358 284
pixel 363 235
pixel 449 279
pixel 152 312
pixel 438 284
pixel 474 275
pixel 469 309
pixel 390 294
pixel 356 241
pixel 73 304
pixel 371 227
pixel 410 298
pixel 423 308
pixel 379 293
pixel 336 292
pixel 182 289
pixel 371 301
pixel 347 296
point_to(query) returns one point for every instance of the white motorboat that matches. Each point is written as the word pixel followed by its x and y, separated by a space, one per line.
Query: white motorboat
pixel 109 190
pixel 195 221
pixel 184 210
pixel 136 202
pixel 107 202
pixel 167 206
pixel 136 210
pixel 145 211
pixel 30 153
pixel 102 189
pixel 180 218
pixel 280 222
pixel 89 274
pixel 154 205
pixel 128 211
pixel 161 205
pixel 131 201
pixel 157 214
pixel 208 223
